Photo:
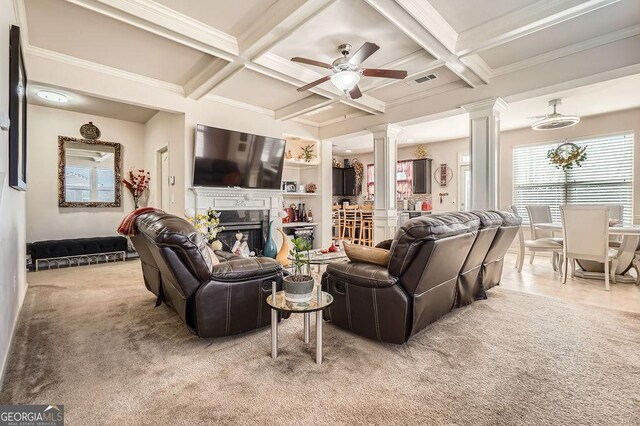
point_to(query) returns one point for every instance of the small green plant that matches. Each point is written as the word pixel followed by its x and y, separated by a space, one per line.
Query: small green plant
pixel 307 153
pixel 300 255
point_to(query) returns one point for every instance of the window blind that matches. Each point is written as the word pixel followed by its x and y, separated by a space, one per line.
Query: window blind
pixel 604 178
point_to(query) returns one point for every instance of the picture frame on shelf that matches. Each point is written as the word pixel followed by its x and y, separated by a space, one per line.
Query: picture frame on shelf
pixel 17 113
pixel 290 186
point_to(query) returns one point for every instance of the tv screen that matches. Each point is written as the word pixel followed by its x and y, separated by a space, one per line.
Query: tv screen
pixel 227 158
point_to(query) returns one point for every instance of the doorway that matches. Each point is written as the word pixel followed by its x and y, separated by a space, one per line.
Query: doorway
pixel 464 182
pixel 163 178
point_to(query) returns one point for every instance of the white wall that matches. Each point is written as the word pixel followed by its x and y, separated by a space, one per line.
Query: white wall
pixel 164 130
pixel 13 286
pixel 47 221
pixel 614 122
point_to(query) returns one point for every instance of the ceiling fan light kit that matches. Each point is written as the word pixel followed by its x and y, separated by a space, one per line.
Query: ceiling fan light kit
pixel 555 120
pixel 347 71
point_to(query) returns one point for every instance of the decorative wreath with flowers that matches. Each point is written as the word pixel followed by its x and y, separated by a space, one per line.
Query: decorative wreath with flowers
pixel 567 155
pixel 359 169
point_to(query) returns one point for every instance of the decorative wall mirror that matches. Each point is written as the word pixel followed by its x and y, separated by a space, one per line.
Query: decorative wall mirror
pixel 88 173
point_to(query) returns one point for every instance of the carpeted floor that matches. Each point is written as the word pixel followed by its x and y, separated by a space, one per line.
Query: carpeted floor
pixel 89 338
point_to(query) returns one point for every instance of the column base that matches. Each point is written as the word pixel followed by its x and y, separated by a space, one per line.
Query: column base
pixel 385 225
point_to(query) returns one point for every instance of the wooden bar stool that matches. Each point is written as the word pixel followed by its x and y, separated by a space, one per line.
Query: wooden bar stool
pixel 349 223
pixel 366 226
pixel 336 226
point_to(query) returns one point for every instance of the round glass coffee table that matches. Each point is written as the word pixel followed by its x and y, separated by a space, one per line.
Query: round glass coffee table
pixel 320 300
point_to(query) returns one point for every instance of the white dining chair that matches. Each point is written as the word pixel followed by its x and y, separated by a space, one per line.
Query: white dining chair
pixel 546 245
pixel 541 214
pixel 586 236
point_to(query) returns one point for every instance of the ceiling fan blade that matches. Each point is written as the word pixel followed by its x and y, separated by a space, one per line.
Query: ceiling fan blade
pixel 314 83
pixel 355 93
pixel 377 72
pixel 363 53
pixel 311 62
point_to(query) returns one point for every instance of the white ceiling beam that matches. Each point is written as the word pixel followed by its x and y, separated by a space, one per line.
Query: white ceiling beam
pixel 522 22
pixel 429 18
pixel 215 73
pixel 418 32
pixel 165 22
pixel 303 106
pixel 552 55
pixel 277 23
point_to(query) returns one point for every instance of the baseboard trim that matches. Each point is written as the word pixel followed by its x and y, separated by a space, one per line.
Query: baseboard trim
pixel 3 367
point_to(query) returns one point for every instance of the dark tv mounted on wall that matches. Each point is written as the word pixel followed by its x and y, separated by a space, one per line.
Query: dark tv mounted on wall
pixel 226 158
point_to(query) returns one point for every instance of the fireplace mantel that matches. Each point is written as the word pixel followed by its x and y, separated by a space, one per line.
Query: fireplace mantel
pixel 237 198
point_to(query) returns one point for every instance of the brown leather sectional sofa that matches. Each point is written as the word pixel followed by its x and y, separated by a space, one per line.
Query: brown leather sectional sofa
pixel 212 300
pixel 438 263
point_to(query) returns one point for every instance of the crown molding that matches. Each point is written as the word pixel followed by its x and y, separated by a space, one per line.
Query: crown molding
pixel 492 104
pixel 103 69
pixel 165 22
pixel 522 22
pixel 239 104
pixel 568 50
pixel 388 129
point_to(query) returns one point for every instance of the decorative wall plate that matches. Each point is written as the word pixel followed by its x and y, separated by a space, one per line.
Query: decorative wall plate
pixel 89 131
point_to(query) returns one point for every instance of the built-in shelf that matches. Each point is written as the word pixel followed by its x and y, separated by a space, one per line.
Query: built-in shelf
pixel 300 194
pixel 294 224
pixel 300 163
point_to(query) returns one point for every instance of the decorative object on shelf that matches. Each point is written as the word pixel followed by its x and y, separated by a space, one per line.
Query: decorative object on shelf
pixel 310 188
pixel 309 216
pixel 333 248
pixel 442 195
pixel 299 286
pixel 288 155
pixel 307 153
pixel 301 188
pixel 420 152
pixel 137 184
pixel 567 155
pixel 17 113
pixel 207 224
pixel 90 131
pixel 283 255
pixel 359 169
pixel 269 249
pixel 347 164
pixel 240 247
pixel 443 175
pixel 290 186
pixel 337 164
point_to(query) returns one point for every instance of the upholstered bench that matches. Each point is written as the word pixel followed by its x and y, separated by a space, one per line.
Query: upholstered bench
pixel 78 251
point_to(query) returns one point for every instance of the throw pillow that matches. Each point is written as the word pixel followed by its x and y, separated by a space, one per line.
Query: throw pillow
pixel 365 254
pixel 214 259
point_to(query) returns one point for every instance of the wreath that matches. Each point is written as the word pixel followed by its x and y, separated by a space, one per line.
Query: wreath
pixel 359 169
pixel 567 155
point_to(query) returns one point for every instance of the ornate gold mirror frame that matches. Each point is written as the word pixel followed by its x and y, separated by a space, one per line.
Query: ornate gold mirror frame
pixel 62 163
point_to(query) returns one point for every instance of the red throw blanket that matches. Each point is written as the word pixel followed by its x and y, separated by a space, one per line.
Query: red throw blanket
pixel 127 227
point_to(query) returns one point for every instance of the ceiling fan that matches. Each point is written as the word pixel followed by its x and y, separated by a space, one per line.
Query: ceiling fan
pixel 554 120
pixel 347 70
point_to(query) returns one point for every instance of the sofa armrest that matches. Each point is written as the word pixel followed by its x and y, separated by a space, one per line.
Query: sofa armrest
pixel 362 274
pixel 243 268
pixel 223 256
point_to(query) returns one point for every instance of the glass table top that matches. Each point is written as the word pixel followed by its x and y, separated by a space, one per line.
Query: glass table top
pixel 312 305
pixel 316 257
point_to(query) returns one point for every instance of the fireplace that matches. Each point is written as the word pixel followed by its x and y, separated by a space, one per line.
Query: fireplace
pixel 252 223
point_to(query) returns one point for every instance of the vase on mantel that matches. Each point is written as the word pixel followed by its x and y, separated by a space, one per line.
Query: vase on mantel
pixel 270 249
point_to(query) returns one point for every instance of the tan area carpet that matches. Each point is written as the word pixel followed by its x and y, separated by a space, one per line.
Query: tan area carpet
pixel 89 338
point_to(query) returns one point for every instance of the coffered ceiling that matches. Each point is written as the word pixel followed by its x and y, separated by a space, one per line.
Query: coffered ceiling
pixel 238 52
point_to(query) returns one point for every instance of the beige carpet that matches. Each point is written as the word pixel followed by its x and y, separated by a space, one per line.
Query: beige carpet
pixel 89 338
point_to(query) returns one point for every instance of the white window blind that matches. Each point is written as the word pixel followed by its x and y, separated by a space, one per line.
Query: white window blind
pixel 604 178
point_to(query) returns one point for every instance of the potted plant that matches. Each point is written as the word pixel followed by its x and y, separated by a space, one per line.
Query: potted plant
pixel 299 286
pixel 137 184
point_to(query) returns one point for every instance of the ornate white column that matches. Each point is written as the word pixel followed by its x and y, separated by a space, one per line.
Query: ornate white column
pixel 385 147
pixel 484 134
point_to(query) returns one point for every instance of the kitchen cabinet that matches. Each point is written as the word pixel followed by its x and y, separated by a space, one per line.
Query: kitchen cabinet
pixel 338 181
pixel 422 176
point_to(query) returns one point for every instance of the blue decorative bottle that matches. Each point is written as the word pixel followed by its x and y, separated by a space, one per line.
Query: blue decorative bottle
pixel 270 249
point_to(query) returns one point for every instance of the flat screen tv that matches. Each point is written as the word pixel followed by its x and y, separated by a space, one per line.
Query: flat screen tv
pixel 227 158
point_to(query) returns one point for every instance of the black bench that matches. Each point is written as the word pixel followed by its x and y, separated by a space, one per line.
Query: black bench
pixel 78 251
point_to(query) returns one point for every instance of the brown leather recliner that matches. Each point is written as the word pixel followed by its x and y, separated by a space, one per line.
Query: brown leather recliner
pixel 437 262
pixel 212 300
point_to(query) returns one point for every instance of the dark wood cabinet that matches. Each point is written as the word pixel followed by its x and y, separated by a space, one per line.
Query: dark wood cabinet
pixel 422 176
pixel 344 182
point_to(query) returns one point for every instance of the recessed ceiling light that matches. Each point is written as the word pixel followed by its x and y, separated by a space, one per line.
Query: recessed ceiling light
pixel 53 96
pixel 347 151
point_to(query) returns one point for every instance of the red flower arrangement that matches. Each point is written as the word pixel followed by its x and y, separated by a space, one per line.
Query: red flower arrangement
pixel 137 184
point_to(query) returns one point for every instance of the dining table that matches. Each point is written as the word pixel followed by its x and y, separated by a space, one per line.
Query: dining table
pixel 627 257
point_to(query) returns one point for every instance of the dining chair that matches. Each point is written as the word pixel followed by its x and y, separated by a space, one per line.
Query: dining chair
pixel 540 214
pixel 585 230
pixel 546 245
pixel 335 222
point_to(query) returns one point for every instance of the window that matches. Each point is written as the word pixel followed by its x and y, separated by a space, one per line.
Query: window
pixel 404 179
pixel 83 181
pixel 604 178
